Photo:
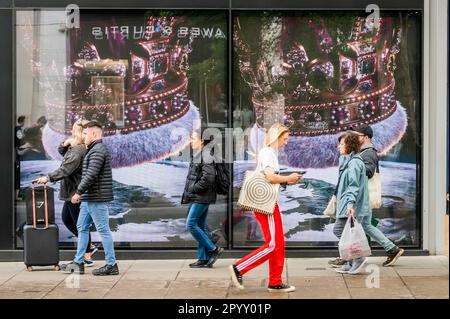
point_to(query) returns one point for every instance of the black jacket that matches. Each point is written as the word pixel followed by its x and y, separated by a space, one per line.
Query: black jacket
pixel 69 173
pixel 96 181
pixel 200 184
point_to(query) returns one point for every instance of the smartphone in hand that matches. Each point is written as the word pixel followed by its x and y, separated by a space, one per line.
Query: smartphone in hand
pixel 287 173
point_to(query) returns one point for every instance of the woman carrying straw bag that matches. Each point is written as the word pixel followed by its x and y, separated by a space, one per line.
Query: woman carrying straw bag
pixel 271 223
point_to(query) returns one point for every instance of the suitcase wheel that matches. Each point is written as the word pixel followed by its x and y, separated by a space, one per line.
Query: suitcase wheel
pixel 29 268
pixel 57 268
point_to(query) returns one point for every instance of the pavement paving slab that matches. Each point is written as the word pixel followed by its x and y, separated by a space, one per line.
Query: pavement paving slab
pixel 420 277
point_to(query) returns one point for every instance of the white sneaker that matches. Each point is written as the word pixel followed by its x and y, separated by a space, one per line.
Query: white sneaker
pixel 358 265
pixel 345 268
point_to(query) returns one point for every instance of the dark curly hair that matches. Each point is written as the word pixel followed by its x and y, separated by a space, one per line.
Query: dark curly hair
pixel 351 142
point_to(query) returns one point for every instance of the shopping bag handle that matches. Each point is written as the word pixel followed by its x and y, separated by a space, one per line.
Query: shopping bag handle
pixel 352 220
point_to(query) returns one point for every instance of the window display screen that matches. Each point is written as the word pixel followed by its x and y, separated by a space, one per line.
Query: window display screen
pixel 322 73
pixel 152 77
pixel 149 78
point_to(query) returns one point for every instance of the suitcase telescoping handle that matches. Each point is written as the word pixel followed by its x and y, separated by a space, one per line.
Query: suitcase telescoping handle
pixel 45 205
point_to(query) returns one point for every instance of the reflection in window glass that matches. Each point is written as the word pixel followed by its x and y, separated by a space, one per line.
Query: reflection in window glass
pixel 150 78
pixel 321 73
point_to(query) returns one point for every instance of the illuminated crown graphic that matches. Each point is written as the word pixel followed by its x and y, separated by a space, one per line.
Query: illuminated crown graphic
pixel 320 82
pixel 331 93
pixel 137 90
pixel 127 95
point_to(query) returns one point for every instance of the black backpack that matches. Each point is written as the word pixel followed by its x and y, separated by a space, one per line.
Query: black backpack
pixel 222 178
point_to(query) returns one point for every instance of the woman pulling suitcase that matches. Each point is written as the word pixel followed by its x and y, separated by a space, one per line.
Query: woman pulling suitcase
pixel 69 173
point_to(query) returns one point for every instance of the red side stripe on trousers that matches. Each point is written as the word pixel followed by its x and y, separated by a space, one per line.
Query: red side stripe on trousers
pixel 272 250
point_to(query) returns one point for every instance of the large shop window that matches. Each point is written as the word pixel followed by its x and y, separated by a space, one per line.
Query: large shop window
pixel 150 77
pixel 320 73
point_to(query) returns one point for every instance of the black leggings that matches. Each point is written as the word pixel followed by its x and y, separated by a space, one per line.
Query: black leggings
pixel 69 216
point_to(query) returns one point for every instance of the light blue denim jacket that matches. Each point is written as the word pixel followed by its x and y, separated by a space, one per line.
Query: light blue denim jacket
pixel 353 189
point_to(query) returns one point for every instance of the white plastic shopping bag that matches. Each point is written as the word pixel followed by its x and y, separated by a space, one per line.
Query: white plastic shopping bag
pixel 353 243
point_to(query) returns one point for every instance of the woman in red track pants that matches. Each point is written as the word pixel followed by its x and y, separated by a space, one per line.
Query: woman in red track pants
pixel 271 225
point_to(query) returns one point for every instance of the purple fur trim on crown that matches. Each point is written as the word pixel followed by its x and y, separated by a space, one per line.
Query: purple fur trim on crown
pixel 321 151
pixel 138 147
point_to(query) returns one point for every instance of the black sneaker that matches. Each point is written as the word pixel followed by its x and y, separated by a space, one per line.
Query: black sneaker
pixel 281 288
pixel 106 270
pixel 73 267
pixel 214 255
pixel 88 262
pixel 199 264
pixel 337 262
pixel 236 277
pixel 393 255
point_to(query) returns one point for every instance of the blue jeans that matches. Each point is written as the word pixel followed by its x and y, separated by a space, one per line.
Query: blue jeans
pixel 196 225
pixel 96 212
pixel 375 233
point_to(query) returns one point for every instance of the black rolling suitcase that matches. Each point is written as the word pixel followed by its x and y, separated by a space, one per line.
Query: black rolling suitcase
pixel 41 240
pixel 34 199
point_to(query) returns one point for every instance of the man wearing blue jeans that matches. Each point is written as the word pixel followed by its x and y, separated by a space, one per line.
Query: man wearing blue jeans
pixel 94 192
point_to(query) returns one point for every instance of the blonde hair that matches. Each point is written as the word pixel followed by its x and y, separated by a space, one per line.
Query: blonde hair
pixel 77 132
pixel 274 133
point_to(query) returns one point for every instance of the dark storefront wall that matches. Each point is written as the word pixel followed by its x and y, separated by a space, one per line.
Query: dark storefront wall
pixel 6 128
pixel 242 226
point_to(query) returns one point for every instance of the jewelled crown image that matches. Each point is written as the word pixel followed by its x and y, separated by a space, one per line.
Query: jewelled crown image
pixel 139 97
pixel 320 82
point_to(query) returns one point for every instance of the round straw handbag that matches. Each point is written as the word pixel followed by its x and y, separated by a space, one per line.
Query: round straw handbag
pixel 257 194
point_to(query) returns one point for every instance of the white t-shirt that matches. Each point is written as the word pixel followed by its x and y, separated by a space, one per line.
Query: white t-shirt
pixel 268 157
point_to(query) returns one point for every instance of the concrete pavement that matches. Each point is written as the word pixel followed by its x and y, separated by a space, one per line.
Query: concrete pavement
pixel 412 277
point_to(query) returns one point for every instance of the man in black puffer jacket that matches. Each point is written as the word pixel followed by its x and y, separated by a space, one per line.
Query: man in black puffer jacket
pixel 94 191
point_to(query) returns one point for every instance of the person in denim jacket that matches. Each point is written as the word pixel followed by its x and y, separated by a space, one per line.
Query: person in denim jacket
pixel 352 199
